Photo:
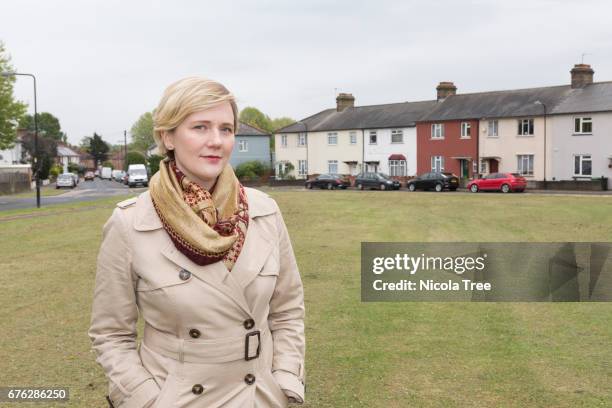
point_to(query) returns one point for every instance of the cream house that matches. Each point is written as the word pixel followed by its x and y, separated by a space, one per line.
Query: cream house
pixel 348 140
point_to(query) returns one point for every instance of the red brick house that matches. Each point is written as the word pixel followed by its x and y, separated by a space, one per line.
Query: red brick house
pixel 445 143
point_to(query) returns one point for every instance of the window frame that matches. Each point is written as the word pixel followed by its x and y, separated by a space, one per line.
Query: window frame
pixel 530 122
pixel 434 128
pixel 305 169
pixel 530 164
pixel 434 160
pixel 243 145
pixel 375 134
pixel 353 137
pixel 466 130
pixel 283 140
pixel 397 168
pixel 580 121
pixel 302 139
pixel 335 136
pixel 330 163
pixel 495 126
pixel 396 132
pixel 581 157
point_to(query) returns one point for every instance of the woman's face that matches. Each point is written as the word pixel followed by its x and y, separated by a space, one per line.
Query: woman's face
pixel 203 143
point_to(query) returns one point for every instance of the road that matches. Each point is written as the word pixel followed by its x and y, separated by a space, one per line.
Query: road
pixel 85 191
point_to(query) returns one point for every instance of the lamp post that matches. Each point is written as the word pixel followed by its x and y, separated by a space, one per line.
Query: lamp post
pixel 36 158
pixel 544 106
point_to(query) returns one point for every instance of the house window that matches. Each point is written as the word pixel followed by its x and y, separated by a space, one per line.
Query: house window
pixel 332 138
pixel 332 166
pixel 373 137
pixel 525 164
pixel 302 167
pixel 525 127
pixel 583 125
pixel 437 164
pixel 397 136
pixel 437 131
pixel 284 140
pixel 353 136
pixel 243 146
pixel 493 128
pixel 582 165
pixel 466 130
pixel 397 167
pixel 483 166
pixel 302 139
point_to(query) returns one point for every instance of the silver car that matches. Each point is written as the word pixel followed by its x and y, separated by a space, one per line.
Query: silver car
pixel 66 180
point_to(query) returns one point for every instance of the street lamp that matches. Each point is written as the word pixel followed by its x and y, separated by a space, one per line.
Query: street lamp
pixel 36 158
pixel 544 106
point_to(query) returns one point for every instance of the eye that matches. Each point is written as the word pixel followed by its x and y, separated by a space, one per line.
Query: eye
pixel 200 127
pixel 228 130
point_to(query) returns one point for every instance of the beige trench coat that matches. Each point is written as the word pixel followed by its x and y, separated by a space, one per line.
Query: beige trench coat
pixel 212 338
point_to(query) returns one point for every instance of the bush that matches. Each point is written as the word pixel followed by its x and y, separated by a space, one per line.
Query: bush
pixel 251 170
pixel 154 160
pixel 56 170
pixel 108 164
pixel 136 158
pixel 73 168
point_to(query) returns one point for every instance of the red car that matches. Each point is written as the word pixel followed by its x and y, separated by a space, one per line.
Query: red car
pixel 504 182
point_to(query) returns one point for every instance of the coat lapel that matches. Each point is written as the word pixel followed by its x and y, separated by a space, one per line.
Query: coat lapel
pixel 257 247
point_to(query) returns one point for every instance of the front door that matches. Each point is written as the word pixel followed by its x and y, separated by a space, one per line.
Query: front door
pixel 493 166
pixel 465 168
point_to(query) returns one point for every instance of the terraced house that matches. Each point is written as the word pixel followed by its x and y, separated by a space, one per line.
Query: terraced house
pixel 350 139
pixel 547 134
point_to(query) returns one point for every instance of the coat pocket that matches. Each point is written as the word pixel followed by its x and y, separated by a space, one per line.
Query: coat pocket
pixel 166 279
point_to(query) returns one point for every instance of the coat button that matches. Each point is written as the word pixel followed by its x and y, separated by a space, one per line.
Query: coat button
pixel 249 378
pixel 249 324
pixel 184 274
pixel 195 333
pixel 197 389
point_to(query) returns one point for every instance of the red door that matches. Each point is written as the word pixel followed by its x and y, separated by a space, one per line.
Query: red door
pixel 493 166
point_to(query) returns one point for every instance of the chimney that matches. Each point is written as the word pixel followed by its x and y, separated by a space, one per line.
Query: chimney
pixel 344 100
pixel 445 89
pixel 582 75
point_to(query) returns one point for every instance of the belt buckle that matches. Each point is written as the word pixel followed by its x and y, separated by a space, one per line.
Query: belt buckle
pixel 246 345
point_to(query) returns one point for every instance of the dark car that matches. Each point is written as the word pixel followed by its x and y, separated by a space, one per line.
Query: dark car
pixel 89 176
pixel 328 181
pixel 504 182
pixel 380 181
pixel 434 181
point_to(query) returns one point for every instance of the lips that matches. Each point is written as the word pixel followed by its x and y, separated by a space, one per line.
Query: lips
pixel 212 158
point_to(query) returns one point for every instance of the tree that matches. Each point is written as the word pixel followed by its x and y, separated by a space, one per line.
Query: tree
pixel 154 160
pixel 254 117
pixel 47 124
pixel 142 133
pixel 11 111
pixel 47 151
pixel 136 158
pixel 279 123
pixel 98 148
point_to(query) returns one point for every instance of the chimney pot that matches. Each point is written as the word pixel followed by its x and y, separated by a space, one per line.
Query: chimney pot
pixel 344 100
pixel 446 89
pixel 582 75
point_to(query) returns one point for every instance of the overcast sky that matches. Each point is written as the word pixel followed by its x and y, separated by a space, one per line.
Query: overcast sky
pixel 101 64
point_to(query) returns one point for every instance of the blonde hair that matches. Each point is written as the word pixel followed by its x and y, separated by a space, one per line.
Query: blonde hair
pixel 184 97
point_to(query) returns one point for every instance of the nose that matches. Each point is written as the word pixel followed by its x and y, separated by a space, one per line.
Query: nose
pixel 214 139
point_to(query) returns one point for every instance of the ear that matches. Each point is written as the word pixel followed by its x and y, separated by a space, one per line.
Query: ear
pixel 168 139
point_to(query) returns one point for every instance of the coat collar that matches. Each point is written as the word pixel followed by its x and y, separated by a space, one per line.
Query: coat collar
pixel 257 248
pixel 146 218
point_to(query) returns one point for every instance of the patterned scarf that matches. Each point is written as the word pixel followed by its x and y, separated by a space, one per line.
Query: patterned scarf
pixel 205 226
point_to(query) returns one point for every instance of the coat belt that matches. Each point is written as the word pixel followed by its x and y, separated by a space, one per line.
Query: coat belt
pixel 221 350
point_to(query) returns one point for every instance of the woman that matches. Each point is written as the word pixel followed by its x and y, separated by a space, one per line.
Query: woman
pixel 209 265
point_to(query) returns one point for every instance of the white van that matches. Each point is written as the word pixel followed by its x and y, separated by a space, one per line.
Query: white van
pixel 137 174
pixel 106 173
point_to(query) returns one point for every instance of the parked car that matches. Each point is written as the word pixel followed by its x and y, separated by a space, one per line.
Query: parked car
pixel 97 173
pixel 76 177
pixel 328 181
pixel 89 175
pixel 106 173
pixel 137 174
pixel 125 179
pixel 65 180
pixel 118 175
pixel 504 182
pixel 380 181
pixel 434 181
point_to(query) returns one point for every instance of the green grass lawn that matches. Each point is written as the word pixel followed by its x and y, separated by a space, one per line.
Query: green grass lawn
pixel 358 354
